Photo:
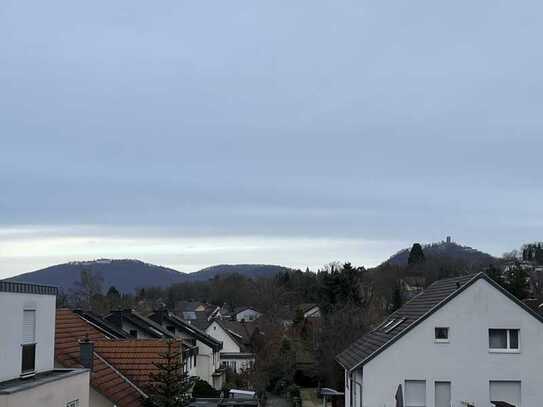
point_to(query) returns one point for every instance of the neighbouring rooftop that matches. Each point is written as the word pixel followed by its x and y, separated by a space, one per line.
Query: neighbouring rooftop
pixel 27 288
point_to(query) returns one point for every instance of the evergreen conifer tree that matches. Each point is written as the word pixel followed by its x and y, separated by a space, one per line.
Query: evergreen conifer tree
pixel 169 386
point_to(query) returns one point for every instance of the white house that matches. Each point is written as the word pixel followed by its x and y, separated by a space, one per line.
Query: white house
pixel 462 342
pixel 207 357
pixel 237 353
pixel 245 314
pixel 28 376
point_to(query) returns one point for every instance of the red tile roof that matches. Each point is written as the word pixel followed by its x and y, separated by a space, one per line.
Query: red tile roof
pixel 121 367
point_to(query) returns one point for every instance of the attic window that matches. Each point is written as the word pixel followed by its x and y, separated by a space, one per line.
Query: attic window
pixel 395 325
pixel 442 334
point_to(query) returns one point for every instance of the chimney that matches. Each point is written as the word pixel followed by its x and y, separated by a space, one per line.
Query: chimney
pixel 86 352
pixel 449 239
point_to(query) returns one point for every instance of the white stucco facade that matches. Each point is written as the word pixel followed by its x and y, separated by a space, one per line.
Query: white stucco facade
pixel 54 394
pixel 12 306
pixel 230 349
pixel 206 363
pixel 27 317
pixel 216 331
pixel 465 361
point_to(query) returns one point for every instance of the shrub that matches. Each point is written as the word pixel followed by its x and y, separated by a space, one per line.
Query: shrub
pixel 203 389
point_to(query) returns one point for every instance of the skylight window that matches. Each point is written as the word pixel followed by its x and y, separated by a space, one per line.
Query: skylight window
pixel 395 325
pixel 387 324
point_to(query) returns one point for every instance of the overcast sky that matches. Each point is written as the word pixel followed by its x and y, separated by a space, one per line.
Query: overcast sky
pixel 191 133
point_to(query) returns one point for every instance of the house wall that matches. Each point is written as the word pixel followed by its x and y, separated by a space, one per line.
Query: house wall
pixel 11 321
pixel 97 399
pixel 228 344
pixel 127 327
pixel 52 394
pixel 247 315
pixel 465 361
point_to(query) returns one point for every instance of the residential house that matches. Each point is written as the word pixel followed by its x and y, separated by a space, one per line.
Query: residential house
pixel 237 339
pixel 137 325
pixel 28 376
pixel 208 366
pixel 141 327
pixel 120 368
pixel 462 341
pixel 245 314
pixel 310 310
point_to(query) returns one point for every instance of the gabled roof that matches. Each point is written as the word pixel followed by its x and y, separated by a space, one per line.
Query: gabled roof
pixel 165 317
pixel 237 310
pixel 410 315
pixel 135 358
pixel 147 325
pixel 121 367
pixel 240 332
pixel 101 324
pixel 70 329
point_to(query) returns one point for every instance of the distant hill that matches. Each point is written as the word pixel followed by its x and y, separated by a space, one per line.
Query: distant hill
pixel 445 249
pixel 128 275
pixel 247 270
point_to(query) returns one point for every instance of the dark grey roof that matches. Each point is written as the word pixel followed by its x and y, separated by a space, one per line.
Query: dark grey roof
pixel 163 316
pixel 145 324
pixel 27 288
pixel 105 326
pixel 411 314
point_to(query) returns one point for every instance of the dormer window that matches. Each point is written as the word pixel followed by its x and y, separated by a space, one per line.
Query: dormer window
pixel 442 334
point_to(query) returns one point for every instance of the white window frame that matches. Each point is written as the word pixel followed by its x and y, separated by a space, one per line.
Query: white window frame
pixel 508 349
pixel 73 403
pixel 440 340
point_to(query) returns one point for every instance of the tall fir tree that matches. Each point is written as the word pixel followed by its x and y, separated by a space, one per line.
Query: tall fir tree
pixel 517 281
pixel 416 255
pixel 169 386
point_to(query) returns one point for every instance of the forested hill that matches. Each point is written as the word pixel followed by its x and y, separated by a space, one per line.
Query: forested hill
pixel 128 275
pixel 445 250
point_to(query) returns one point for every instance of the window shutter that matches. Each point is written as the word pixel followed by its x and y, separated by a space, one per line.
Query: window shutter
pixel 507 391
pixel 415 393
pixel 29 326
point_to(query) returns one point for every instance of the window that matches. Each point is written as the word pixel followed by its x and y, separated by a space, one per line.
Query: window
pixel 230 365
pixel 415 393
pixel 171 328
pixel 503 340
pixel 506 391
pixel 74 403
pixel 28 347
pixel 442 334
pixel 133 333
